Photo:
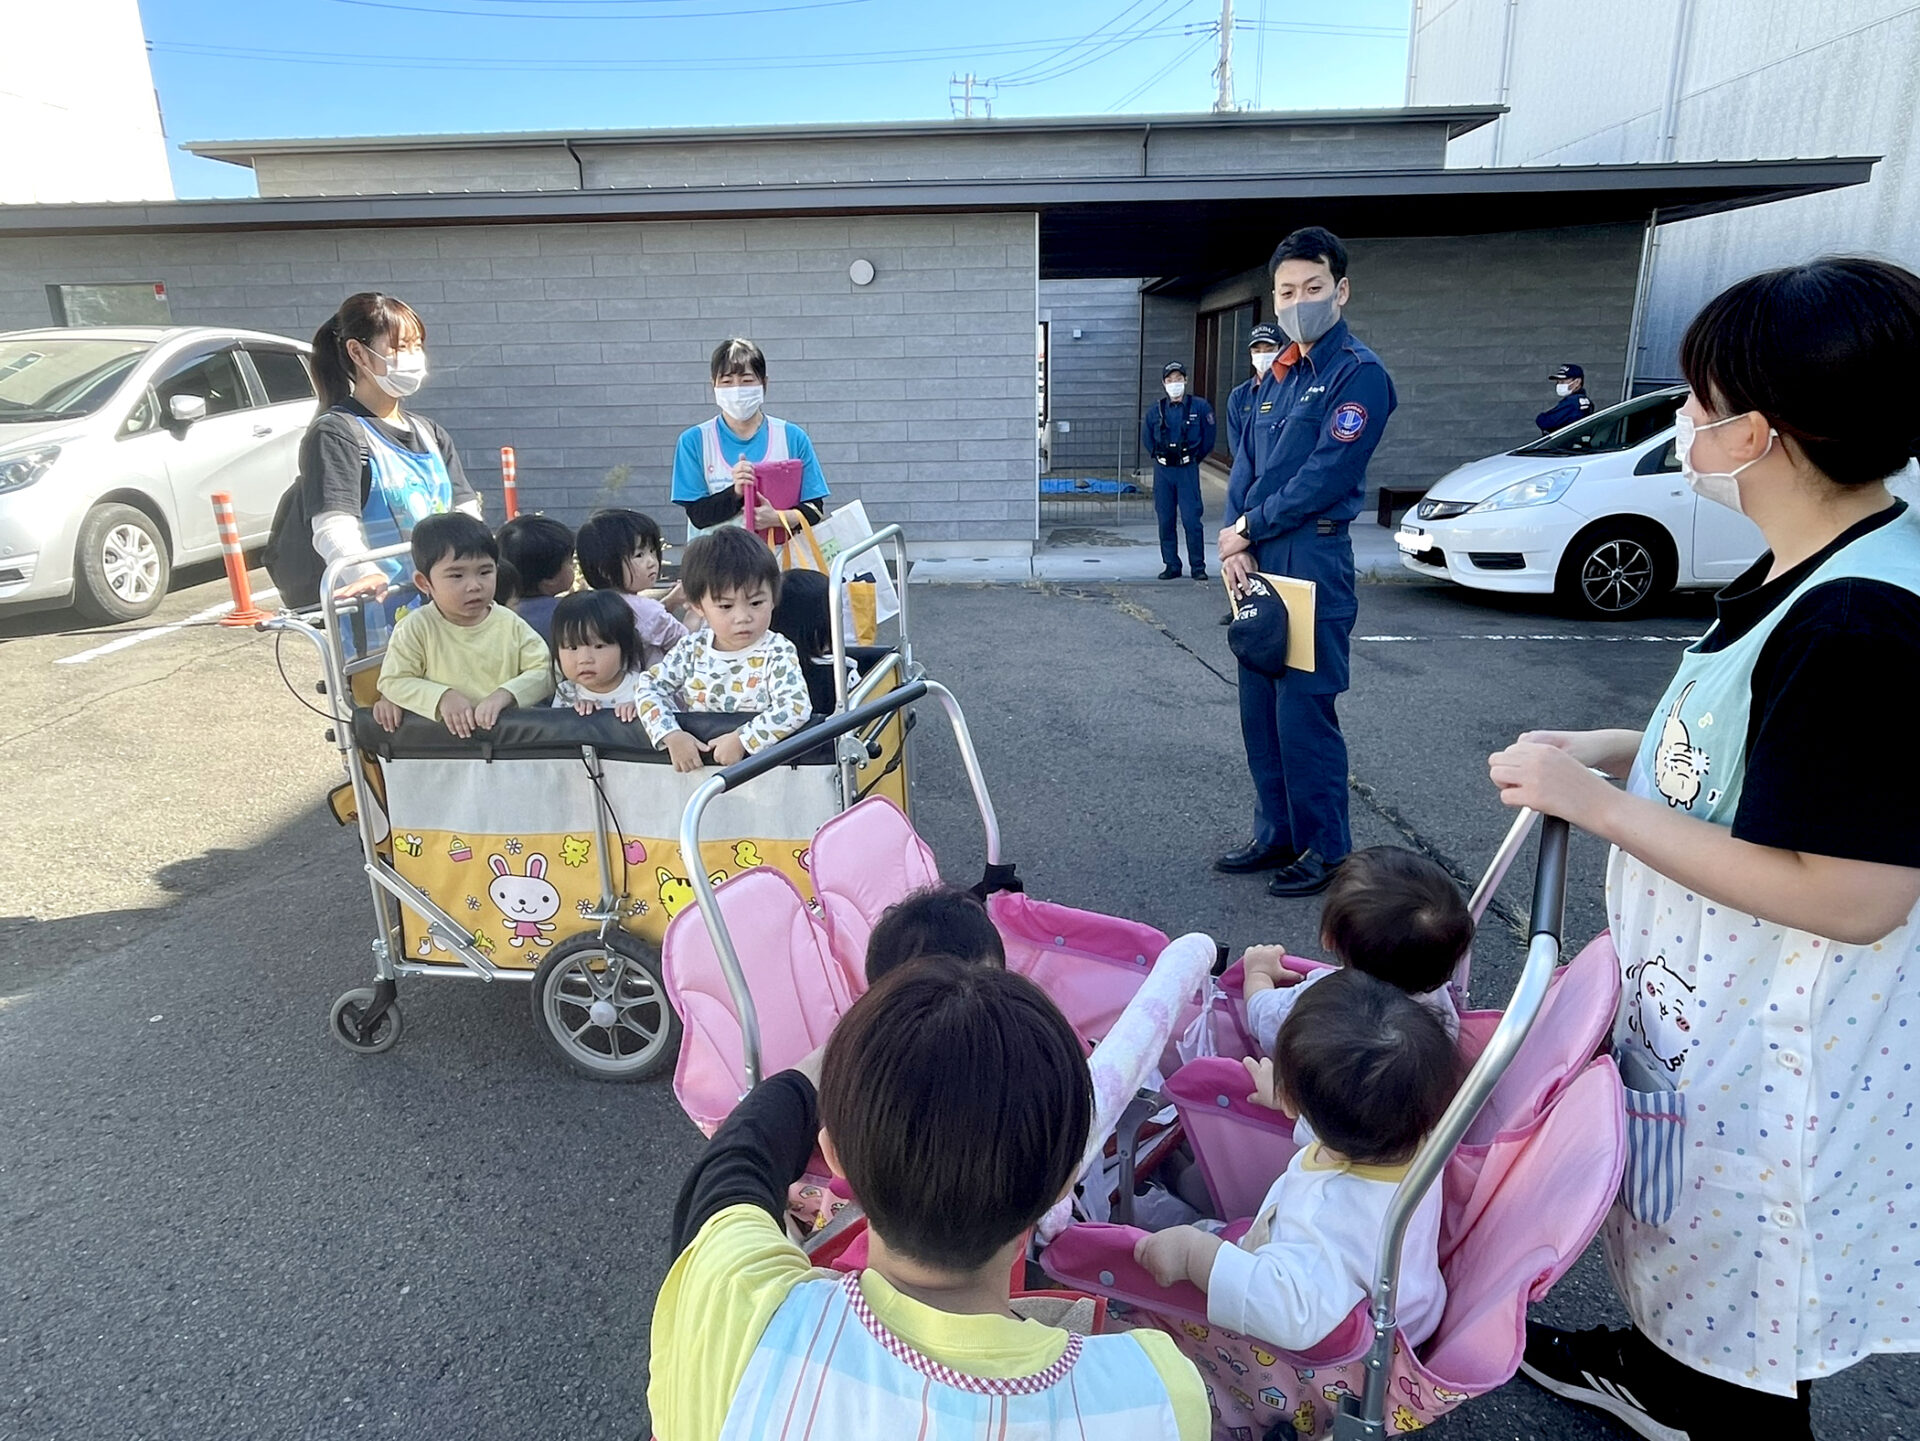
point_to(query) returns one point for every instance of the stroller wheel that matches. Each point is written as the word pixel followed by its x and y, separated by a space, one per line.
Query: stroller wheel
pixel 603 1006
pixel 345 1023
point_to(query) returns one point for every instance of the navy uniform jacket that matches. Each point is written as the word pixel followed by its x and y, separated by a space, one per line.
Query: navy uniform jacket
pixel 1239 407
pixel 1573 407
pixel 1303 470
pixel 1171 426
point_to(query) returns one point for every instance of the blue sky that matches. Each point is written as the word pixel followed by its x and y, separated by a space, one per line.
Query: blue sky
pixel 249 69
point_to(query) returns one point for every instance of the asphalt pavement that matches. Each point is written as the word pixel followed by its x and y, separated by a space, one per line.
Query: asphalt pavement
pixel 219 1224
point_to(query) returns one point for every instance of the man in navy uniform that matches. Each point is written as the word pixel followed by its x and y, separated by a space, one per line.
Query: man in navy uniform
pixel 1297 482
pixel 1178 433
pixel 1570 384
pixel 1263 348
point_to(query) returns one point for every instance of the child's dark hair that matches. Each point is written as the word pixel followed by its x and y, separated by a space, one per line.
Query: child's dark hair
pixel 801 616
pixel 729 560
pixel 1311 242
pixel 454 535
pixel 958 1101
pixel 937 921
pixel 608 539
pixel 1395 914
pixel 586 616
pixel 1368 1066
pixel 1826 352
pixel 538 548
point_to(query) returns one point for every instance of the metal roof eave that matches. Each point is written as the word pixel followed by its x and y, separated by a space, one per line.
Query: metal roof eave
pixel 1459 120
pixel 1678 190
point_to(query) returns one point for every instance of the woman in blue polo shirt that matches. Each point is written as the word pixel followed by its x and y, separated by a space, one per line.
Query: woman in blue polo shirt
pixel 714 460
pixel 1763 890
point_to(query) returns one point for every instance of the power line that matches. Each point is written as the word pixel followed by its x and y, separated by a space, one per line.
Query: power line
pixel 1154 25
pixel 599 19
pixel 1077 42
pixel 1205 38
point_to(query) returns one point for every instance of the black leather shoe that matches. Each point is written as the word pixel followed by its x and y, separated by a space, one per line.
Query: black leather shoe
pixel 1172 572
pixel 1227 619
pixel 1254 856
pixel 1307 876
pixel 1200 575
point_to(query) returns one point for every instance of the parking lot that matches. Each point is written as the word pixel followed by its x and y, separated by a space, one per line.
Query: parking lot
pixel 218 1223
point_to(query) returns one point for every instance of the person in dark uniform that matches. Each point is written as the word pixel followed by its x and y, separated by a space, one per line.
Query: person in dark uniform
pixel 1263 348
pixel 1178 433
pixel 1570 384
pixel 1299 479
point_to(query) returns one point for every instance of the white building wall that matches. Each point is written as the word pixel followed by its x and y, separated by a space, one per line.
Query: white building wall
pixel 77 105
pixel 1650 80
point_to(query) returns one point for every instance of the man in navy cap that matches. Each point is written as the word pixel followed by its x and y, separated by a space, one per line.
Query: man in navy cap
pixel 1570 384
pixel 1178 433
pixel 1297 481
pixel 1263 348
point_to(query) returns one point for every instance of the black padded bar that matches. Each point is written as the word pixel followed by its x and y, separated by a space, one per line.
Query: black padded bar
pixel 1550 879
pixel 545 733
pixel 787 751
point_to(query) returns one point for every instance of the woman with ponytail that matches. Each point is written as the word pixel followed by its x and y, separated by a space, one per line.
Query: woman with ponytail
pixel 369 470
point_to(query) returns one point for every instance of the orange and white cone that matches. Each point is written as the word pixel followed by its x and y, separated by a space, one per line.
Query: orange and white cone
pixel 509 481
pixel 243 612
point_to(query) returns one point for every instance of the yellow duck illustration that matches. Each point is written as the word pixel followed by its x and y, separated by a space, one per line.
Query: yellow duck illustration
pixel 746 855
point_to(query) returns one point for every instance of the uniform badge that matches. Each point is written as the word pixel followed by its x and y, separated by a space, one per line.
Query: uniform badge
pixel 1349 421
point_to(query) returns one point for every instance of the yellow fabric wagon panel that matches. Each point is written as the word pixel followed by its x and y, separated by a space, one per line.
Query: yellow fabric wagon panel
pixel 511 849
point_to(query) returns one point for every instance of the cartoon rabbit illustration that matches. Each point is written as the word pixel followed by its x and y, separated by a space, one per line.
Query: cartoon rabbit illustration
pixel 1679 766
pixel 528 902
pixel 1661 999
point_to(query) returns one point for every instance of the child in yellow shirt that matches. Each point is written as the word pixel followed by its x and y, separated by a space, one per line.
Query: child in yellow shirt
pixel 461 659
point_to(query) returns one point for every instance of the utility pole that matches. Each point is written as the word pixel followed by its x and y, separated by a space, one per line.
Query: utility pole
pixel 960 96
pixel 1223 100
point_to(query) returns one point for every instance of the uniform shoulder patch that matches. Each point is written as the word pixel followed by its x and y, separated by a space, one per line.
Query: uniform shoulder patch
pixel 1349 421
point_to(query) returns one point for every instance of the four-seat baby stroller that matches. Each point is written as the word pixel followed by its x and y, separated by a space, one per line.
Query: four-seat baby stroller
pixel 1530 1152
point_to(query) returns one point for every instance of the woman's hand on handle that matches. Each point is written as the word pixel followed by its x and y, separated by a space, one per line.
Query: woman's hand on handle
pixel 742 475
pixel 1611 751
pixel 1550 779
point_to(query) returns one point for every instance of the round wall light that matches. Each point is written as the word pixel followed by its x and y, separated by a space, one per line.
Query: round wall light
pixel 861 272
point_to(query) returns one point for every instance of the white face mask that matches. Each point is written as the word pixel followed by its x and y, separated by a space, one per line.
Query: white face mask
pixel 1563 389
pixel 1263 361
pixel 1719 486
pixel 1176 389
pixel 739 402
pixel 406 372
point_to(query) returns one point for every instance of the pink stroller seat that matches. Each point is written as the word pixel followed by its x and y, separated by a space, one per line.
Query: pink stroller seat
pixel 797 986
pixel 865 859
pixel 1553 1182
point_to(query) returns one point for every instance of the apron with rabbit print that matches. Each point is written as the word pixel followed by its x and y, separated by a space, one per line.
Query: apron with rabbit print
pixel 1767 1230
pixel 720 474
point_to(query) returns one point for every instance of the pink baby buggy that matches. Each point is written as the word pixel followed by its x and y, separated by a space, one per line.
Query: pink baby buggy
pixel 759 978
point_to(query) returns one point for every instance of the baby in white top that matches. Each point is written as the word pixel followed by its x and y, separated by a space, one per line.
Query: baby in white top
pixel 1369 1070
pixel 598 659
pixel 1390 912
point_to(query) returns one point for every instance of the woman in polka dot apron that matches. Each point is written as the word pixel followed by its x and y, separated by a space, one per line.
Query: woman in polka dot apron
pixel 1763 890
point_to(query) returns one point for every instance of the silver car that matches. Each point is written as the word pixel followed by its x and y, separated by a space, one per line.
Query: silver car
pixel 113 440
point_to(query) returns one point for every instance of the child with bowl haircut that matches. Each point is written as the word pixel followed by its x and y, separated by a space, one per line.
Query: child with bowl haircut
pixel 539 551
pixel 1371 1071
pixel 955 1100
pixel 736 663
pixel 935 921
pixel 460 659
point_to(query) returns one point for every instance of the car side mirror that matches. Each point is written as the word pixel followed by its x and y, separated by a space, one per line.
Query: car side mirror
pixel 187 408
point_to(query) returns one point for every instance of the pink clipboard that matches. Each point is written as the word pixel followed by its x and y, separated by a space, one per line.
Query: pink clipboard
pixel 778 482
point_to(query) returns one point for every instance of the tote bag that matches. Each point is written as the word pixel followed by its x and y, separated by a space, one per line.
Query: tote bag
pixel 870 597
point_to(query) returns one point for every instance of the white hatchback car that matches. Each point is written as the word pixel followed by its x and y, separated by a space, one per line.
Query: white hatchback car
pixel 1596 512
pixel 112 443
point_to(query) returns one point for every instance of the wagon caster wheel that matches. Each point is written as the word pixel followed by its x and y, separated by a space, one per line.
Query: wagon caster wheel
pixel 346 1022
pixel 603 1006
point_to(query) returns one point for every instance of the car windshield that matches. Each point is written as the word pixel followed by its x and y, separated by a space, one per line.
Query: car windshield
pixel 57 378
pixel 1620 427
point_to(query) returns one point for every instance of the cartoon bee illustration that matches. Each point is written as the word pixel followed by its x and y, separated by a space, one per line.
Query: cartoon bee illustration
pixel 412 845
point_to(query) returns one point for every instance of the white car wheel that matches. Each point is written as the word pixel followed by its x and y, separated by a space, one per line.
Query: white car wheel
pixel 122 566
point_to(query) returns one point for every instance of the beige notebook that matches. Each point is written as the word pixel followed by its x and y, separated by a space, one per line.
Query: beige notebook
pixel 1297 596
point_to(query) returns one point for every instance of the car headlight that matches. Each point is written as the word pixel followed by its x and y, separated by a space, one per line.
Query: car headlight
pixel 22 468
pixel 1539 490
pixel 1442 509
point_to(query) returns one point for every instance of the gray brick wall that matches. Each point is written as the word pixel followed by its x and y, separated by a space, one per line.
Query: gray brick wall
pixel 585 346
pixel 960 154
pixel 1469 326
pixel 1094 378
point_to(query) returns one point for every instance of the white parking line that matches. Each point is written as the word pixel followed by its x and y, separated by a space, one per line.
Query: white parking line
pixel 199 617
pixel 1615 639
